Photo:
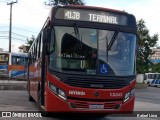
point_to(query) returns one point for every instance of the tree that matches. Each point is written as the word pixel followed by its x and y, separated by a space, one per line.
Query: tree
pixel 25 48
pixel 145 42
pixel 155 68
pixel 64 2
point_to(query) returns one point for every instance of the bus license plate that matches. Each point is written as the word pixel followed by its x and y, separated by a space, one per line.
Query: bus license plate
pixel 95 106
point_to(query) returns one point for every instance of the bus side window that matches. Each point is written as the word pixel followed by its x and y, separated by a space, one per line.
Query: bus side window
pixel 41 45
pixel 13 60
pixel 32 54
pixel 39 48
pixel 18 61
pixel 35 50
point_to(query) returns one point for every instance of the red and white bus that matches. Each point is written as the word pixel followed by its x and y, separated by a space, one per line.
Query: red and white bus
pixel 83 61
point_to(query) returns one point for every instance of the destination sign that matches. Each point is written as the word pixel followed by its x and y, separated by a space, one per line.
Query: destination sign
pixel 91 16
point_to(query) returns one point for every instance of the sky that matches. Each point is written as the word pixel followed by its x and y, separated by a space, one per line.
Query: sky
pixel 28 17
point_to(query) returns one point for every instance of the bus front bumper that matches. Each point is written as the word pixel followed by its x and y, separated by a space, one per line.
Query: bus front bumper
pixel 53 103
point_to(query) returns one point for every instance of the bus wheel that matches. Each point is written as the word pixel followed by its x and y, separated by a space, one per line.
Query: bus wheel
pixel 43 112
pixel 30 98
pixel 39 97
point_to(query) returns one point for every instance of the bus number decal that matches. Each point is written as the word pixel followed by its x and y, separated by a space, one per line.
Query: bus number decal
pixel 72 15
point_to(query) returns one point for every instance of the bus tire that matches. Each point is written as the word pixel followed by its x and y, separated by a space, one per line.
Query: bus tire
pixel 30 98
pixel 39 97
pixel 43 112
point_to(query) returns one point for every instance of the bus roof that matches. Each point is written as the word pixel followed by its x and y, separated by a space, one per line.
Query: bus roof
pixel 16 54
pixel 91 8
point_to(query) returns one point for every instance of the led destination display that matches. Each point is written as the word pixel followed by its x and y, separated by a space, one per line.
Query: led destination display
pixel 91 16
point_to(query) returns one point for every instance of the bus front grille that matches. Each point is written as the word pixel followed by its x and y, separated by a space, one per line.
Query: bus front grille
pixel 85 105
pixel 96 83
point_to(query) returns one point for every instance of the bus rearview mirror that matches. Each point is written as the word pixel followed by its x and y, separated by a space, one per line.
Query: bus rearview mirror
pixel 46 35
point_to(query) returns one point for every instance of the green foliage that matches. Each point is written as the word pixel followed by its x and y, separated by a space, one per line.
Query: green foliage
pixel 145 42
pixel 25 48
pixel 29 42
pixel 155 68
pixel 66 2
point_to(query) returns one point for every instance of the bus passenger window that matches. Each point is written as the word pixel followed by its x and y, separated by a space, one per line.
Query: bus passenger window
pixel 16 60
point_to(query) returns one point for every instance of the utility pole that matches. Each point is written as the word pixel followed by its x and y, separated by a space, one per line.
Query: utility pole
pixel 10 25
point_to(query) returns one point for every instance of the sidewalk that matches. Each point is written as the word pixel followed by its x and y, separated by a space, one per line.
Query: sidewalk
pixel 13 85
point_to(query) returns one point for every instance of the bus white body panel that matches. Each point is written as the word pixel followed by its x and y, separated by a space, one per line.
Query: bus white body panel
pixel 149 77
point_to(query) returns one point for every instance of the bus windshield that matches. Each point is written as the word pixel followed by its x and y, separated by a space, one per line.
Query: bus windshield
pixel 4 58
pixel 90 52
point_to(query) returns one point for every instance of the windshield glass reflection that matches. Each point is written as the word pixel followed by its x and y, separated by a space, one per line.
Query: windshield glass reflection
pixel 89 52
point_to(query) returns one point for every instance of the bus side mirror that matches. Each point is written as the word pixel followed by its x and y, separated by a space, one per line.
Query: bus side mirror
pixel 46 35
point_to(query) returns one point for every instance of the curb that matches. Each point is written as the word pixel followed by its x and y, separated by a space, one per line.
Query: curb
pixel 141 86
pixel 13 85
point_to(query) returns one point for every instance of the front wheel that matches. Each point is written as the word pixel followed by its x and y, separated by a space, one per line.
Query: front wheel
pixel 30 98
pixel 43 112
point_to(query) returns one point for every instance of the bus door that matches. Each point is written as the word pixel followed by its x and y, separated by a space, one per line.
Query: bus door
pixel 45 37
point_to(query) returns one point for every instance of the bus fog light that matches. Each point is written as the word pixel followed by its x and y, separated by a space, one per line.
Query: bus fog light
pixel 127 96
pixel 73 105
pixel 62 94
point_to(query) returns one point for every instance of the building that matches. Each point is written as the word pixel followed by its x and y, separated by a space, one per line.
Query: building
pixel 155 58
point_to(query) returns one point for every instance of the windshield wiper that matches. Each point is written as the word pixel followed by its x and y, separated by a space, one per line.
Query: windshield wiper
pixel 113 39
pixel 76 30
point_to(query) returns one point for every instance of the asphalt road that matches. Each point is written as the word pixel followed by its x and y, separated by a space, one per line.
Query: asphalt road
pixel 146 100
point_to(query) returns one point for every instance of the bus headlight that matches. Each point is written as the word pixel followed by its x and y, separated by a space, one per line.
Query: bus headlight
pixel 57 91
pixel 53 88
pixel 129 94
pixel 62 94
pixel 132 92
